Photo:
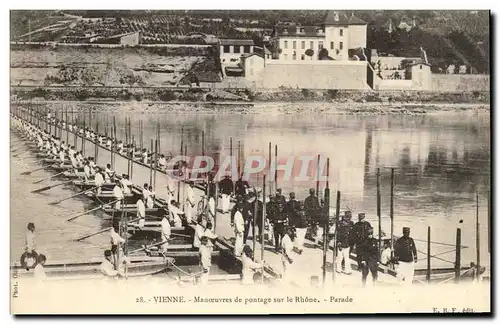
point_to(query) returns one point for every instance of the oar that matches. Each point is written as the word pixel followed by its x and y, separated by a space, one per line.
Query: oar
pixel 30 172
pixel 50 187
pixel 146 247
pixel 81 192
pixel 55 175
pixel 91 210
pixel 93 234
pixel 19 154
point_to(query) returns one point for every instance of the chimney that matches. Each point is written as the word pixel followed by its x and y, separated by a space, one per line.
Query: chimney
pixel 297 29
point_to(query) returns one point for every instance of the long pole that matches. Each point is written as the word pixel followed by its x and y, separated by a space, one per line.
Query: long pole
pixel 83 136
pixel 428 275
pixel 203 143
pixel 263 218
pixel 457 255
pixel 317 176
pixel 276 166
pixel 154 164
pixel 337 212
pixel 379 213
pixel 326 230
pixel 67 133
pixel 231 155
pixel 96 153
pixel 239 157
pixel 254 236
pixel 216 202
pixel 269 159
pixel 392 212
pixel 151 165
pixel 478 250
pixel 132 158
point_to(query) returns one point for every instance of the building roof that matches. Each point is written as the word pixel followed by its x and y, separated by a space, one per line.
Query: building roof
pixel 304 31
pixel 338 18
pixel 227 41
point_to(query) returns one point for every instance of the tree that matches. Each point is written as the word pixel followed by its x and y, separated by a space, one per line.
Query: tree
pixel 309 52
pixel 323 54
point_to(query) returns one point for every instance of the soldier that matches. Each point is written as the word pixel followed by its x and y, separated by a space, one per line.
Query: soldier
pixel 296 219
pixel 405 254
pixel 344 232
pixel 312 209
pixel 360 233
pixel 257 218
pixel 279 220
pixel 241 187
pixel 368 255
pixel 226 189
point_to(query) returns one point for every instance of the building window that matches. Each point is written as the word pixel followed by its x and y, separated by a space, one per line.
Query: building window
pixel 302 57
pixel 320 45
pixel 227 49
pixel 237 49
pixel 303 45
pixel 294 45
pixel 285 56
pixel 341 32
pixel 331 45
pixel 294 57
pixel 311 45
pixel 246 49
pixel 286 44
pixel 341 46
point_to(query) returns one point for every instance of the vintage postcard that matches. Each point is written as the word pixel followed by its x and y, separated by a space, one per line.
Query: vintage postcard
pixel 250 161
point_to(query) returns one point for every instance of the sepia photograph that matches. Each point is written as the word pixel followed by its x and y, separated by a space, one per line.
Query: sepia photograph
pixel 250 161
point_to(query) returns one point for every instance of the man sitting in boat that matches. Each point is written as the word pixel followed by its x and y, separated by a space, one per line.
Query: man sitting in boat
pixel 162 162
pixel 151 198
pixel 141 212
pixel 198 232
pixel 98 180
pixel 119 147
pixel 205 259
pixel 189 203
pixel 29 257
pixel 144 156
pixel 145 192
pixel 86 171
pixel 175 213
pixel 109 143
pixel 61 156
pixel 39 271
pixel 126 183
pixel 118 194
pixel 115 240
pixel 107 268
pixel 165 233
pixel 249 266
pixel 92 166
pixel 108 173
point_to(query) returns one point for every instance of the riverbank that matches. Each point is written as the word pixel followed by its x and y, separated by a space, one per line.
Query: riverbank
pixel 204 95
pixel 268 108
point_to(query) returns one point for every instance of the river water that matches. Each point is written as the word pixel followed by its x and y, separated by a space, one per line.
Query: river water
pixel 440 162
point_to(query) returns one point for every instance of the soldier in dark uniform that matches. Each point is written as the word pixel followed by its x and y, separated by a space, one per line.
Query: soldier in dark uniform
pixel 241 186
pixel 280 197
pixel 405 253
pixel 226 189
pixel 277 216
pixel 297 219
pixel 368 255
pixel 344 233
pixel 253 201
pixel 311 206
pixel 211 186
pixel 360 233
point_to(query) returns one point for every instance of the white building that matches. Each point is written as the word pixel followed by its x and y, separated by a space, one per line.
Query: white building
pixel 253 66
pixel 232 49
pixel 339 34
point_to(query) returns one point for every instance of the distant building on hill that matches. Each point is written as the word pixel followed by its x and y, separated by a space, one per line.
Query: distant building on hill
pixel 231 51
pixel 338 34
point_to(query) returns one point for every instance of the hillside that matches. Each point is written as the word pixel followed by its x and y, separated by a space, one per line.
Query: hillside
pixel 80 65
pixel 448 36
